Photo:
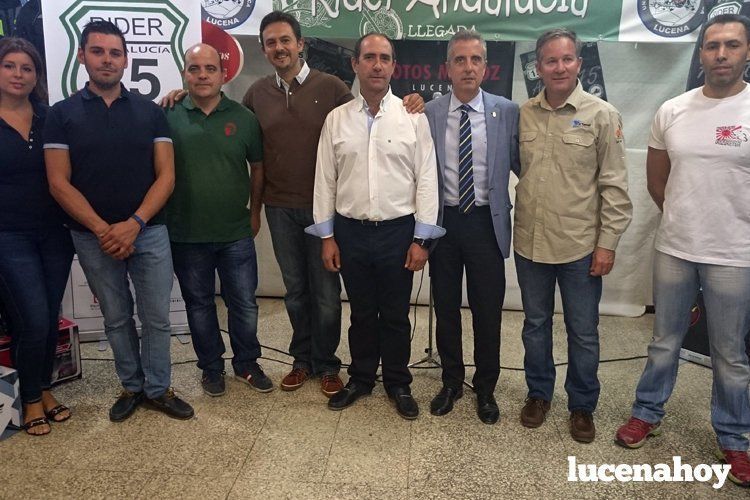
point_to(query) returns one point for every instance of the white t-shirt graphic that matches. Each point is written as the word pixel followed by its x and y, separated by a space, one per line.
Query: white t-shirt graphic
pixel 707 200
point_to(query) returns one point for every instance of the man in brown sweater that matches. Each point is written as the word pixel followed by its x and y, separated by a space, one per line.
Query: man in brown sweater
pixel 292 105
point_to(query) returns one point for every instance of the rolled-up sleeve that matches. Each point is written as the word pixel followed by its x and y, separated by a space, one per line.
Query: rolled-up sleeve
pixel 324 196
pixel 616 207
pixel 425 170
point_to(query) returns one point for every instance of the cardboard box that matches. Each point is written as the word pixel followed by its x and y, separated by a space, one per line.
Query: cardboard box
pixel 10 403
pixel 67 363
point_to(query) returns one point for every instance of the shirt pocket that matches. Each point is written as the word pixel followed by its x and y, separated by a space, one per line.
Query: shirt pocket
pixel 527 146
pixel 579 149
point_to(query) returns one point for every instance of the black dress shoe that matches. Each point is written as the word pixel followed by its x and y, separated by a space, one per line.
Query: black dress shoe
pixel 406 406
pixel 442 404
pixel 125 405
pixel 347 396
pixel 487 409
pixel 171 405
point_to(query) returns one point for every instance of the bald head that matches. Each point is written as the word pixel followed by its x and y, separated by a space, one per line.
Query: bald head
pixel 203 72
pixel 202 50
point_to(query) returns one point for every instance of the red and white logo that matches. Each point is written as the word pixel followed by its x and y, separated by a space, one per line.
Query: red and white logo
pixel 730 135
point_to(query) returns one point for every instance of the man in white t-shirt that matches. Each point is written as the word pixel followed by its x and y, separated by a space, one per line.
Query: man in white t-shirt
pixel 699 175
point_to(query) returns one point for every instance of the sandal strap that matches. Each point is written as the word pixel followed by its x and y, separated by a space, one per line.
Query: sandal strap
pixel 36 422
pixel 56 411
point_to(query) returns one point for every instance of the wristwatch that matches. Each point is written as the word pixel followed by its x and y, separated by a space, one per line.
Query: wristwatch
pixel 421 242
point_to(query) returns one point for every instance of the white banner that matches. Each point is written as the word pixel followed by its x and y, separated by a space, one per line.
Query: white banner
pixel 238 17
pixel 157 32
pixel 661 20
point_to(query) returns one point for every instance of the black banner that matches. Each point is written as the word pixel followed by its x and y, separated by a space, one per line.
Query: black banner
pixel 591 76
pixel 420 68
pixel 715 8
pixel 330 58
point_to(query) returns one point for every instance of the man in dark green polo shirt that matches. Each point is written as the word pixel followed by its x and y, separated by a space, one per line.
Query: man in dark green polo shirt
pixel 210 225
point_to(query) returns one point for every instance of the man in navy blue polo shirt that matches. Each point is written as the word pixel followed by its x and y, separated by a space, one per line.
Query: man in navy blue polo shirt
pixel 110 165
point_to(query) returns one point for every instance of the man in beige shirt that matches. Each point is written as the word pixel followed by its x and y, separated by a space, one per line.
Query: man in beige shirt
pixel 572 206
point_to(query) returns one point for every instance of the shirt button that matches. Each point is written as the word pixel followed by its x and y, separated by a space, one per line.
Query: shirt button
pixel 31 140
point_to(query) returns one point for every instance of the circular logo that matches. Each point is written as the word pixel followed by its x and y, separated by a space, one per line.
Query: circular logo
pixel 226 14
pixel 671 18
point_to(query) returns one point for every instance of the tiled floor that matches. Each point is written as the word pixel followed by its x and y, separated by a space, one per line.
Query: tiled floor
pixel 289 445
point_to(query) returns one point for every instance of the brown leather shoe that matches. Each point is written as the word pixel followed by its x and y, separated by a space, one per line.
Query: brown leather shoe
pixel 294 379
pixel 534 412
pixel 331 384
pixel 582 427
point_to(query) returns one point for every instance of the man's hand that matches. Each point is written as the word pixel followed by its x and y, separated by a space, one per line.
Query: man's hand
pixel 174 96
pixel 118 239
pixel 255 223
pixel 602 261
pixel 414 104
pixel 416 257
pixel 331 256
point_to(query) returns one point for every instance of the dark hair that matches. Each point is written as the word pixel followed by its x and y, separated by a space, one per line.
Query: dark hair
pixel 358 45
pixel 725 19
pixel 464 35
pixel 557 33
pixel 105 28
pixel 13 45
pixel 280 17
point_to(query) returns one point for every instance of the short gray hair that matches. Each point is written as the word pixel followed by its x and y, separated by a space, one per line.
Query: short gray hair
pixel 464 35
pixel 557 33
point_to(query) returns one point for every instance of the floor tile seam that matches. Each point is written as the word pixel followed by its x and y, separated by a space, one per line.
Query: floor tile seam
pixel 330 448
pixel 250 449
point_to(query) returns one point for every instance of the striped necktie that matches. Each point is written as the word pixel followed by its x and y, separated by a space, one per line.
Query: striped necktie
pixel 465 163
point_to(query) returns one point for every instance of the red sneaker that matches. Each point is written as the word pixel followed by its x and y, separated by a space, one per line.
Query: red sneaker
pixel 740 462
pixel 635 432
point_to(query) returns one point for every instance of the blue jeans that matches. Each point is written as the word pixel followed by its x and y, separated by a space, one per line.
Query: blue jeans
pixel 726 293
pixel 313 295
pixel 580 293
pixel 145 365
pixel 195 265
pixel 34 268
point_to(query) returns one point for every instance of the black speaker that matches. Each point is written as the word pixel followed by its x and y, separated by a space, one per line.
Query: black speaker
pixel 696 347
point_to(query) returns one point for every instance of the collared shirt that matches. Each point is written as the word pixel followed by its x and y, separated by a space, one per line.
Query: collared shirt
pixel 478 147
pixel 25 200
pixel 212 183
pixel 291 130
pixel 111 149
pixel 572 195
pixel 301 76
pixel 387 173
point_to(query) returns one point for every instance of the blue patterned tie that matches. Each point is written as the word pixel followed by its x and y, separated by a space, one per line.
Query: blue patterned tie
pixel 465 163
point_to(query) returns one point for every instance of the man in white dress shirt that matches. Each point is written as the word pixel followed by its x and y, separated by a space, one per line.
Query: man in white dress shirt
pixel 375 207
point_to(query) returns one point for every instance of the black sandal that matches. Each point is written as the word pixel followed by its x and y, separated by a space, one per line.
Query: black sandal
pixel 51 414
pixel 36 423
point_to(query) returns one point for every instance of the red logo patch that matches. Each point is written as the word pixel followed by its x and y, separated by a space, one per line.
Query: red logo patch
pixel 230 129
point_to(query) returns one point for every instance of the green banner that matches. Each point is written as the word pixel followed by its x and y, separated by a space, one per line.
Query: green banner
pixel 440 19
pixel 498 20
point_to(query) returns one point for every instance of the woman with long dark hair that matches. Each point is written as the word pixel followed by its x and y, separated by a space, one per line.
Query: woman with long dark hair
pixel 35 247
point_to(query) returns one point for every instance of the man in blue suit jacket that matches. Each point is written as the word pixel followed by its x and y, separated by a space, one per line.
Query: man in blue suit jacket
pixel 476 141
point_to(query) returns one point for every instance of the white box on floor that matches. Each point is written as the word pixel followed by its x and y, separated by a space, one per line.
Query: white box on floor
pixel 10 402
